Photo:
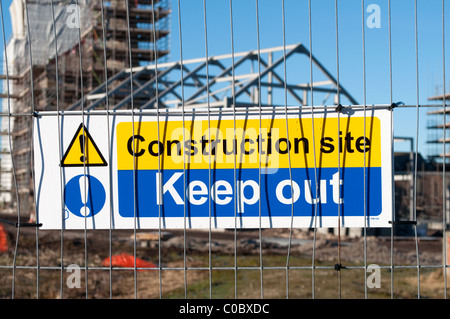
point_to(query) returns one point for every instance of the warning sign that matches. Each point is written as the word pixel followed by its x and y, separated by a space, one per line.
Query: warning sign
pixel 249 171
pixel 83 151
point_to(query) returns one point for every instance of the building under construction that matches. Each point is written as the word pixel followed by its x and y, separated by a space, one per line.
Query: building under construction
pixel 74 48
pixel 438 125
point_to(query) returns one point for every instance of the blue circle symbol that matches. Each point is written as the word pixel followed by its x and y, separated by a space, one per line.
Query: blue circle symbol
pixel 84 195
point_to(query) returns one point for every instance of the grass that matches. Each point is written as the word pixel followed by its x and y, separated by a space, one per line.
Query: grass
pixel 325 285
pixel 195 283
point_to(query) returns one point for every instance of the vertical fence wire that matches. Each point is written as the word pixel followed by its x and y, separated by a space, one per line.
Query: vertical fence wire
pixel 233 97
pixel 210 150
pixel 288 254
pixel 392 150
pixel 12 159
pixel 31 146
pixel 444 185
pixel 315 200
pixel 416 37
pixel 184 138
pixel 61 172
pixel 339 274
pixel 134 149
pixel 259 150
pixel 364 121
pixel 105 62
pixel 155 55
pixel 83 134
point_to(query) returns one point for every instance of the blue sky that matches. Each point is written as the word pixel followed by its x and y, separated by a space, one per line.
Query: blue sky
pixel 351 18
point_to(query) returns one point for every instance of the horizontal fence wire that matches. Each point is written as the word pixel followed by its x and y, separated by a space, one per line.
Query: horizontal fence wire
pixel 14 262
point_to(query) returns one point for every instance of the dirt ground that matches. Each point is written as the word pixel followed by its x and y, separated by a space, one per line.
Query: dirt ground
pixel 191 249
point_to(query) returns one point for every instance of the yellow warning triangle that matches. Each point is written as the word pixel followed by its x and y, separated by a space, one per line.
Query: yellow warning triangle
pixel 83 151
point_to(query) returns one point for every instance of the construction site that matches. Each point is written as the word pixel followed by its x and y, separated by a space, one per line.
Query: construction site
pixel 93 55
pixel 90 68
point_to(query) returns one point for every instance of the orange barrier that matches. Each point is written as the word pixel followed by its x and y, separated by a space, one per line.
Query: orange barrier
pixel 125 260
pixel 3 240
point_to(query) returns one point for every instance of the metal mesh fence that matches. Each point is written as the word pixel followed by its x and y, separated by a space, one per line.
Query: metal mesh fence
pixel 94 63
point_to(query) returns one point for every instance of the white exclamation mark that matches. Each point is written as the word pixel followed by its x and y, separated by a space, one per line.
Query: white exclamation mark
pixel 84 191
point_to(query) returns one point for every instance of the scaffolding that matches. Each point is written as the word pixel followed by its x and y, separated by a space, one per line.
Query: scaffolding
pixel 438 125
pixel 75 57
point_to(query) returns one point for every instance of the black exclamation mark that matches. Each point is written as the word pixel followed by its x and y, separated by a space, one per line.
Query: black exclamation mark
pixel 82 139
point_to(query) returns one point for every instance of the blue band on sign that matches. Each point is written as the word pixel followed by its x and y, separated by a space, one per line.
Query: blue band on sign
pixel 273 192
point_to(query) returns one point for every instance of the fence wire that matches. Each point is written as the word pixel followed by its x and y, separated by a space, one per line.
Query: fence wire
pixel 140 80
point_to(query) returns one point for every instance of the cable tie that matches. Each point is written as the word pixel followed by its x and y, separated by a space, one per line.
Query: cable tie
pixel 338 267
pixel 403 222
pixel 394 105
pixel 339 108
pixel 28 225
pixel 17 225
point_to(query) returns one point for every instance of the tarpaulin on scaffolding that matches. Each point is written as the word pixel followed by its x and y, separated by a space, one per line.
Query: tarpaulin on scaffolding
pixel 51 27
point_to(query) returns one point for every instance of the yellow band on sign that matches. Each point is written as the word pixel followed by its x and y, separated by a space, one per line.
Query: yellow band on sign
pixel 216 144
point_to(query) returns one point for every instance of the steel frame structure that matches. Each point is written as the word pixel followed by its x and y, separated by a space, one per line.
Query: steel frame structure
pixel 215 88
